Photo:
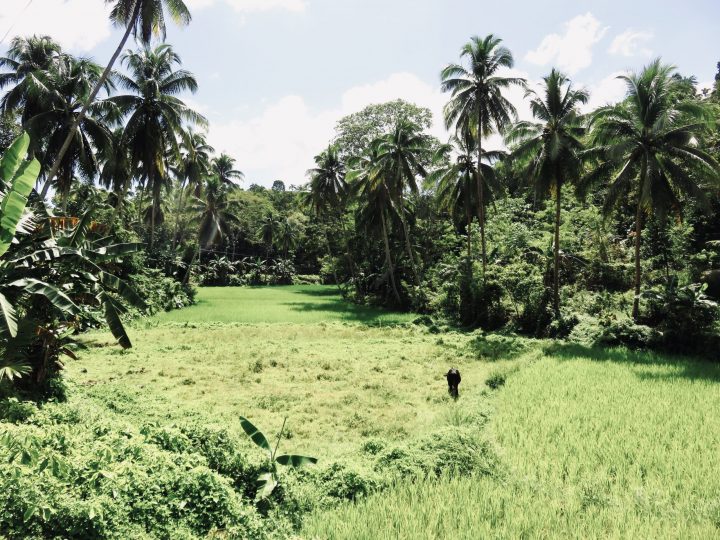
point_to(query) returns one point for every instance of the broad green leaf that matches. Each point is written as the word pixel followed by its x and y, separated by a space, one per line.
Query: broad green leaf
pixel 267 482
pixel 29 513
pixel 13 157
pixel 116 250
pixel 52 294
pixel 112 317
pixel 296 461
pixel 8 315
pixel 46 255
pixel 11 371
pixel 14 202
pixel 123 289
pixel 82 227
pixel 255 434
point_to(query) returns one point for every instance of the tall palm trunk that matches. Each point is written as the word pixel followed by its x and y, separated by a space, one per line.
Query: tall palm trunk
pixel 468 218
pixel 638 234
pixel 408 246
pixel 480 185
pixel 388 258
pixel 152 224
pixel 556 252
pixel 329 251
pixel 94 93
pixel 638 231
pixel 177 220
pixel 347 248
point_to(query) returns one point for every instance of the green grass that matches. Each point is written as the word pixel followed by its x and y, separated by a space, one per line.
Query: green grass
pixel 593 444
pixel 302 304
pixel 597 444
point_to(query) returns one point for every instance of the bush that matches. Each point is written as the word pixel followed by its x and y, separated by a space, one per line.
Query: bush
pixel 162 293
pixel 16 411
pixel 219 273
pixel 340 482
pixel 684 316
pixel 448 451
pixel 480 299
pixel 495 380
pixel 496 346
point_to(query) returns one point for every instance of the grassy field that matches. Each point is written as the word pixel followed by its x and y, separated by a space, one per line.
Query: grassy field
pixel 339 376
pixel 596 445
pixel 592 444
pixel 302 304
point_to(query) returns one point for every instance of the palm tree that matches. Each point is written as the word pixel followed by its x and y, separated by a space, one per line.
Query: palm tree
pixel 67 84
pixel 554 147
pixel 223 167
pixel 29 60
pixel 116 173
pixel 268 231
pixel 328 191
pixel 143 18
pixel 477 103
pixel 648 146
pixel 156 117
pixel 212 208
pixel 192 169
pixel 455 178
pixel 288 235
pixel 369 187
pixel 401 153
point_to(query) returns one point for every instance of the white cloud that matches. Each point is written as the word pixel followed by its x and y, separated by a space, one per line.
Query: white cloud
pixel 631 43
pixel 78 25
pixel 251 6
pixel 571 51
pixel 607 91
pixel 282 139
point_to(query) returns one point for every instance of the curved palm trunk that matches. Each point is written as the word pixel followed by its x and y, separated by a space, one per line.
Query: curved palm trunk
pixel 93 94
pixel 480 186
pixel 388 258
pixel 556 253
pixel 176 233
pixel 638 231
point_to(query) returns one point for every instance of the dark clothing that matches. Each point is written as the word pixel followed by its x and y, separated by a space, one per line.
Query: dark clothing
pixel 453 379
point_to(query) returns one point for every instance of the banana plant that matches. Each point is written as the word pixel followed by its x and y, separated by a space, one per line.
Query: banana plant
pixel 268 481
pixel 17 178
pixel 68 270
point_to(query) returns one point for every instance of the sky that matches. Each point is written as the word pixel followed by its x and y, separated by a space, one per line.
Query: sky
pixel 275 75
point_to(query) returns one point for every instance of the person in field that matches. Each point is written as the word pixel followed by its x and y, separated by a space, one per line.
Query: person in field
pixel 453 379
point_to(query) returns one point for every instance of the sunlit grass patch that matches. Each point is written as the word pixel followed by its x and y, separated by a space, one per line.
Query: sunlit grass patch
pixel 287 304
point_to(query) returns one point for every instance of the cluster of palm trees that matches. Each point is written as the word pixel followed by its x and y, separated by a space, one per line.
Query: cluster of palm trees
pixel 645 149
pixel 140 135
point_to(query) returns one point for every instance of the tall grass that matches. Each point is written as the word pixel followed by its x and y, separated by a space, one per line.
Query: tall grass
pixel 597 445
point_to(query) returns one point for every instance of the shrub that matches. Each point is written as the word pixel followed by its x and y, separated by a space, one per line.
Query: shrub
pixel 495 380
pixel 340 482
pixel 16 411
pixel 162 293
pixel 683 315
pixel 447 451
pixel 496 346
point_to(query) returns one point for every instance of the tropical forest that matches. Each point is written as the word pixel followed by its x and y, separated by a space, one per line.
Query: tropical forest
pixel 482 306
